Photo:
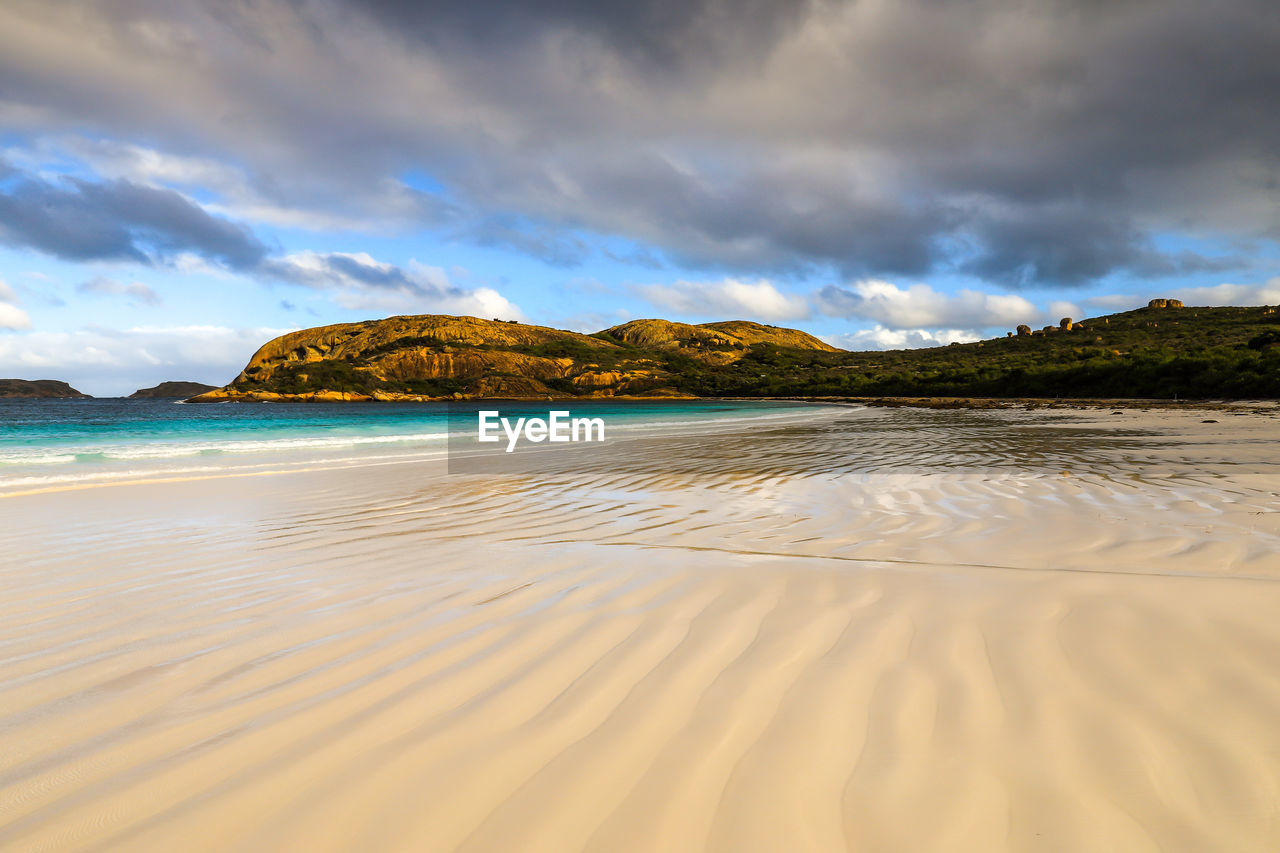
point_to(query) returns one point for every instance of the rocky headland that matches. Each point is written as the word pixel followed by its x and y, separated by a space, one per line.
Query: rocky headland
pixel 39 389
pixel 168 390
pixel 431 357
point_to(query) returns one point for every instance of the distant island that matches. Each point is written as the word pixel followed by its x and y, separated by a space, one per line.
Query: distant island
pixel 39 389
pixel 172 389
pixel 1164 350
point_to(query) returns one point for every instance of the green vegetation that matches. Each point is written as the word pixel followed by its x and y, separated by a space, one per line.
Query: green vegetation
pixel 1157 353
pixel 429 341
pixel 1150 352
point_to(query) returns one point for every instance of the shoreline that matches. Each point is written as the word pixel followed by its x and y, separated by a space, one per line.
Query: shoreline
pixel 1243 404
pixel 204 457
pixel 1082 403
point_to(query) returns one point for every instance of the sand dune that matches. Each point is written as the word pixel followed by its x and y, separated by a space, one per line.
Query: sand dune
pixel 889 631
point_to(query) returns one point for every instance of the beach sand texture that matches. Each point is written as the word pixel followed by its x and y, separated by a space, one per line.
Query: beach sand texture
pixel 885 631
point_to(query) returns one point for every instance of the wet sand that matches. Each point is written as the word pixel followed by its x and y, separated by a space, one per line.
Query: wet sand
pixel 888 631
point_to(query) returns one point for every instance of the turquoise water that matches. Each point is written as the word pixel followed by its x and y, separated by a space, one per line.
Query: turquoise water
pixel 57 441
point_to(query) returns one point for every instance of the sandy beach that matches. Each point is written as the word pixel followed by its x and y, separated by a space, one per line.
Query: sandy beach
pixel 886 630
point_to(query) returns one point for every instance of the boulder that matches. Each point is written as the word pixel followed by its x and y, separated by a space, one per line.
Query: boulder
pixel 1024 330
pixel 1065 324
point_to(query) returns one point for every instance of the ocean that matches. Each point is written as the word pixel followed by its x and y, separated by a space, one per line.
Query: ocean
pixel 51 443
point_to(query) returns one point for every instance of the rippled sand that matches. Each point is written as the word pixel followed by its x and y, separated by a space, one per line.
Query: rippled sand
pixel 889 631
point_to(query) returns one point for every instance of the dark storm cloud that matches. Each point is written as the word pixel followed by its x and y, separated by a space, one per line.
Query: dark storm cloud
pixel 81 220
pixel 1074 245
pixel 1042 142
pixel 652 32
pixel 770 220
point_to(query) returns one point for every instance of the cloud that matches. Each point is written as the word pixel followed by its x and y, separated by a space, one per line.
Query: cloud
pixel 1028 144
pixel 1060 308
pixel 11 316
pixel 1071 243
pixel 112 362
pixel 726 299
pixel 1110 302
pixel 590 322
pixel 136 291
pixel 652 35
pixel 80 220
pixel 1256 293
pixel 551 246
pixel 362 282
pixel 1264 293
pixel 920 306
pixel 239 194
pixel 880 338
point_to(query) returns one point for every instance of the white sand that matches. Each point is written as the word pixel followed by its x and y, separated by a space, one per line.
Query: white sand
pixel 898 631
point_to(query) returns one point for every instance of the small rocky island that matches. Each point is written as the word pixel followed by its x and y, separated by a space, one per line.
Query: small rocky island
pixel 39 389
pixel 171 390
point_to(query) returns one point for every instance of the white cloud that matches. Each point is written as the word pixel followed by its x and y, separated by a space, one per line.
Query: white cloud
pixel 362 282
pixel 11 316
pixel 881 338
pixel 136 290
pixel 1115 301
pixel 381 202
pixel 1061 309
pixel 921 307
pixel 727 299
pixel 113 362
pixel 1257 293
pixel 589 322
pixel 1265 293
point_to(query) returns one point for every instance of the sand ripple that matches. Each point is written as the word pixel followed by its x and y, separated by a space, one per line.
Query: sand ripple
pixel 903 631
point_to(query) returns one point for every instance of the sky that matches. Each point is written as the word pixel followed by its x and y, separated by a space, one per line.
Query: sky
pixel 182 180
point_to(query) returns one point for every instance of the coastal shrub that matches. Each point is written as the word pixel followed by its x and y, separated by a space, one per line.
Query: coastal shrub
pixel 324 375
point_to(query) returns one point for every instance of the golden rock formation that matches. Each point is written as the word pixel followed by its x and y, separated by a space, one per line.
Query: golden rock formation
pixel 435 356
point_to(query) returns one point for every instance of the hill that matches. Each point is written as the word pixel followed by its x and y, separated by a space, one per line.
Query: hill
pixel 1153 352
pixel 167 390
pixel 434 356
pixel 39 389
pixel 1164 350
